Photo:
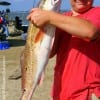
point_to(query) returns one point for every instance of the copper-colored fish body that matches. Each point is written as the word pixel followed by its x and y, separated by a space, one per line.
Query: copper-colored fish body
pixel 36 52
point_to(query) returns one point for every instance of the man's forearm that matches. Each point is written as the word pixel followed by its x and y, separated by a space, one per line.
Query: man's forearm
pixel 74 25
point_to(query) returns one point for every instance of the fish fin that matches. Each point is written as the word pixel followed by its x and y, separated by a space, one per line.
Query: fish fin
pixel 39 36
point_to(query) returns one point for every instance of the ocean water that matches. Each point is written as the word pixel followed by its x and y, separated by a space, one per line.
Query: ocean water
pixel 22 15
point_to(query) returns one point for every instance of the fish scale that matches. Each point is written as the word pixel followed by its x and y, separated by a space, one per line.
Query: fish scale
pixel 35 55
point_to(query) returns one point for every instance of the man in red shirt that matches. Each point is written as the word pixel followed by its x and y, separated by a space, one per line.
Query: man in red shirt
pixel 77 45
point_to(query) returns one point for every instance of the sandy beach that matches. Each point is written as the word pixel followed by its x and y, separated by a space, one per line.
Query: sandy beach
pixel 9 62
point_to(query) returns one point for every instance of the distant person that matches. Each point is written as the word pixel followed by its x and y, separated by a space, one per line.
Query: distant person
pixel 2 29
pixel 18 23
pixel 2 35
pixel 1 25
pixel 5 25
pixel 3 13
pixel 1 20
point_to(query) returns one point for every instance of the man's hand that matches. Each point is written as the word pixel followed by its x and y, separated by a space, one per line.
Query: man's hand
pixel 38 17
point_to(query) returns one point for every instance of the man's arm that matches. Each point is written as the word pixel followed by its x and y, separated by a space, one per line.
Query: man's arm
pixel 73 25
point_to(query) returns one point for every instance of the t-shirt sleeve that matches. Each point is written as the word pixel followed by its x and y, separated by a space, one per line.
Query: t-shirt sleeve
pixel 94 17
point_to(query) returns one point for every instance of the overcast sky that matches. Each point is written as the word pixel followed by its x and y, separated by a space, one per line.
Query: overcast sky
pixel 26 5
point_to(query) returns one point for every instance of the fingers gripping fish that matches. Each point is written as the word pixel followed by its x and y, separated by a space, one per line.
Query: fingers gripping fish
pixel 36 53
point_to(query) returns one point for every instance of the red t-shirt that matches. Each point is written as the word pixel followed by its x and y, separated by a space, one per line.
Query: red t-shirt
pixel 77 70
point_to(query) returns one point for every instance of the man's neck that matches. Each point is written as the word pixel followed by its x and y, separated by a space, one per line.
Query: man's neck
pixel 75 13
